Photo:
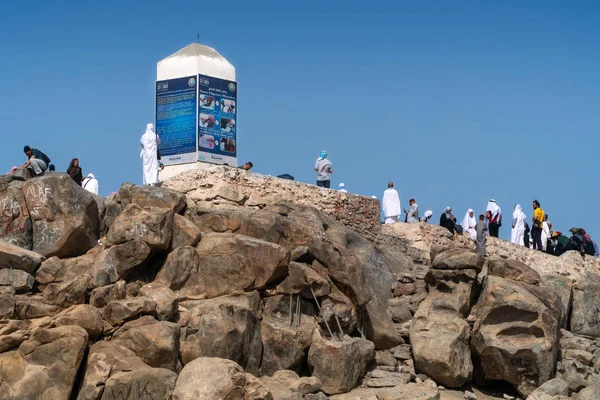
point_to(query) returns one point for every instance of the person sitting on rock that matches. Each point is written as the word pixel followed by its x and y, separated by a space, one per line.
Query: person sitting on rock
pixel 427 216
pixel 90 183
pixel 248 166
pixel 412 215
pixel 560 244
pixel 448 221
pixel 37 161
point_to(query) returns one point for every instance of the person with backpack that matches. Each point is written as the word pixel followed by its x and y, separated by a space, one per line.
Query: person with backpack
pixel 37 162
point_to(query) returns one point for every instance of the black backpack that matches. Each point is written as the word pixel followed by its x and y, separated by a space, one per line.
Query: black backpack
pixel 46 159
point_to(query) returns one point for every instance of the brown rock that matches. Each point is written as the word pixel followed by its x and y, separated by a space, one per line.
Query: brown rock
pixel 156 343
pixel 152 196
pixel 44 366
pixel 301 279
pixel 15 224
pixel 64 216
pixel 118 311
pixel 165 298
pixel 151 225
pixel 225 327
pixel 84 315
pixel 513 269
pixel 15 257
pixel 210 379
pixel 101 296
pixel 404 289
pixel 458 258
pixel 29 307
pixel 185 232
pixel 19 280
pixel 151 383
pixel 7 302
pixel 339 364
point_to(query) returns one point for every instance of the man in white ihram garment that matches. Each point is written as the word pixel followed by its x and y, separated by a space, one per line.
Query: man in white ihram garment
pixel 90 183
pixel 469 224
pixel 150 142
pixel 518 226
pixel 391 204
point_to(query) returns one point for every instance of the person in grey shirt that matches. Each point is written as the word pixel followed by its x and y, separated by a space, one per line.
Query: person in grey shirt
pixel 324 170
pixel 412 215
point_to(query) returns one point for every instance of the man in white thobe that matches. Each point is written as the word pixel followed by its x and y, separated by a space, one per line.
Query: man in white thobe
pixel 391 204
pixel 518 226
pixel 90 183
pixel 149 154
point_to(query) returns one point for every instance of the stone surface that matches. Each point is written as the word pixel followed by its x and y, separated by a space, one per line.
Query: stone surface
pixel 185 232
pixel 515 336
pixel 15 222
pixel 212 184
pixel 29 307
pixel 150 224
pixel 118 311
pixel 585 316
pixel 553 387
pixel 83 315
pixel 226 327
pixel 152 196
pixel 458 258
pixel 339 364
pixel 156 343
pixel 44 366
pixel 234 262
pixel 210 378
pixel 301 279
pixel 563 286
pixel 410 391
pixel 15 257
pixel 19 280
pixel 145 384
pixel 64 216
pixel 101 296
pixel 7 302
pixel 285 339
pixel 118 262
pixel 165 298
pixel 513 269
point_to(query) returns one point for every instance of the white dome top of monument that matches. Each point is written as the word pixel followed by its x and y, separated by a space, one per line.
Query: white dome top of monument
pixel 193 60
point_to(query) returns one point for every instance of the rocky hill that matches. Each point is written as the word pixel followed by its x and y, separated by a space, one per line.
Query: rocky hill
pixel 225 284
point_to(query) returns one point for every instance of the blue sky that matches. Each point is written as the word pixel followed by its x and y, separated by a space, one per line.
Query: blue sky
pixel 456 102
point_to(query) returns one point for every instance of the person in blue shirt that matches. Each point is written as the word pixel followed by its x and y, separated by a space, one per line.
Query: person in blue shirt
pixel 36 163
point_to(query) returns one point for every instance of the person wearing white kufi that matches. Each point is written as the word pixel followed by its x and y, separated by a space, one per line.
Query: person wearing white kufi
pixel 518 226
pixel 469 224
pixel 427 216
pixel 149 154
pixel 90 183
pixel 391 204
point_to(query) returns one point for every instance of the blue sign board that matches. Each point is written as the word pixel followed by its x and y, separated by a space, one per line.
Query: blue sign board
pixel 217 120
pixel 176 119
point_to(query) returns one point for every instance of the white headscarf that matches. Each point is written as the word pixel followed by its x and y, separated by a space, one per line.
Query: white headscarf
pixel 468 221
pixel 493 208
pixel 90 183
pixel 428 213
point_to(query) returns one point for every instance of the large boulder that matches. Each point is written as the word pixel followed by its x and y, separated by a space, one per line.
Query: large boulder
pixel 119 311
pixel 165 298
pixel 152 196
pixel 339 364
pixel 150 384
pixel 64 216
pixel 286 339
pixel 29 307
pixel 118 262
pixel 15 222
pixel 225 327
pixel 585 316
pixel 44 366
pixel 515 336
pixel 235 262
pixel 150 224
pixel 108 359
pixel 7 303
pixel 19 280
pixel 156 343
pixel 15 257
pixel 210 378
pixel 563 286
pixel 84 315
pixel 185 232
pixel 438 333
pixel 513 269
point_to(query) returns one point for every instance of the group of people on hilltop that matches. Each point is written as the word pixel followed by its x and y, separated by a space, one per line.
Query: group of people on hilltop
pixel 38 163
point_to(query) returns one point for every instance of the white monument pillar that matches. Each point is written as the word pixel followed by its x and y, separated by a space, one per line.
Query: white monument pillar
pixel 196 110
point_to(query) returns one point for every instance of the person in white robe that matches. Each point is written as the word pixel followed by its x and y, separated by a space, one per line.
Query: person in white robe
pixel 391 204
pixel 90 183
pixel 149 155
pixel 545 233
pixel 518 226
pixel 342 188
pixel 469 224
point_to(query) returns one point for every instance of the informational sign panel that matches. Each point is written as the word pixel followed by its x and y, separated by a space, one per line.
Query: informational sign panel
pixel 217 120
pixel 176 101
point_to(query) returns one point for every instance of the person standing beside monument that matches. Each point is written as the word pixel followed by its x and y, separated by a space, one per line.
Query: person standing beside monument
pixel 324 169
pixel 149 154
